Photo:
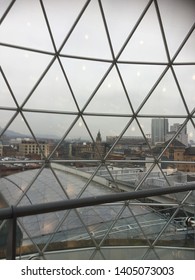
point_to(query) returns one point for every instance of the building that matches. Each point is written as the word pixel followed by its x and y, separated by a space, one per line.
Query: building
pixel 189 155
pixel 182 135
pixel 1 149
pixel 33 150
pixel 178 155
pixel 88 150
pixel 159 129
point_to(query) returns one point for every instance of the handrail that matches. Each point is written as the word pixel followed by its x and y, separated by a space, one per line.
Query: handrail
pixel 28 210
pixel 14 212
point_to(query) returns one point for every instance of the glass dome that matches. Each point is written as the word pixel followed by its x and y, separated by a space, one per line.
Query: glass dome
pixel 97 97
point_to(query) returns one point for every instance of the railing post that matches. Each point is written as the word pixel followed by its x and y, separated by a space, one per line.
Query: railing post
pixel 11 239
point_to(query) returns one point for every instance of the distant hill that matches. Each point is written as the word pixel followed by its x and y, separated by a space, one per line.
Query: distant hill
pixel 13 134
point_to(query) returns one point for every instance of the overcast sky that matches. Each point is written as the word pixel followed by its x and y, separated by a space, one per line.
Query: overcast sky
pixel 25 26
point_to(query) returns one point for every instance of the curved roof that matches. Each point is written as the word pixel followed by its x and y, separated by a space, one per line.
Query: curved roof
pixel 77 224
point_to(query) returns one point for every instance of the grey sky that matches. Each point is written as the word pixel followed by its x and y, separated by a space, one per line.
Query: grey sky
pixel 25 26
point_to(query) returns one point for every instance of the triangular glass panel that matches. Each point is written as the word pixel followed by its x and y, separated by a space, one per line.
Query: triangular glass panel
pixel 6 98
pixel 186 78
pixel 152 177
pixel 19 128
pixel 45 188
pixel 105 219
pixel 133 143
pixel 82 181
pixel 133 130
pixel 23 138
pixel 139 80
pixel 29 248
pixel 105 132
pixel 62 15
pixel 182 15
pixel 170 99
pixel 110 97
pixel 6 117
pixel 77 142
pixel 154 224
pixel 51 128
pixel 123 229
pixel 52 93
pixel 96 185
pixel 84 76
pixel 142 46
pixel 187 52
pixel 76 180
pixel 106 174
pixel 25 25
pixel 176 233
pixel 88 38
pixel 130 10
pixel 122 175
pixel 40 228
pixel 73 232
pixel 22 79
pixel 16 184
pixel 108 127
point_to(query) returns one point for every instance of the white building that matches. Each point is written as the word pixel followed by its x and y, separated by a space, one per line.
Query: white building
pixel 181 137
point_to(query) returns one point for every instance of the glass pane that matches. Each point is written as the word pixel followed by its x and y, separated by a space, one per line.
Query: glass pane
pixel 110 97
pixel 186 54
pixel 22 79
pixel 120 29
pixel 80 74
pixel 53 92
pixel 4 245
pixel 174 14
pixel 142 46
pixel 139 80
pixel 169 96
pixel 62 15
pixel 90 33
pixel 186 77
pixel 26 28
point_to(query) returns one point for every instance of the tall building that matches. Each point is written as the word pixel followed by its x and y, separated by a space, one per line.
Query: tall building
pixel 159 130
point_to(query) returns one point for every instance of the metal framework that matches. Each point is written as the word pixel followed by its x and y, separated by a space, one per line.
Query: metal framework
pixel 81 113
pixel 13 213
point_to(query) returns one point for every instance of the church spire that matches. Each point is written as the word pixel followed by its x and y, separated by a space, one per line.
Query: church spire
pixel 99 137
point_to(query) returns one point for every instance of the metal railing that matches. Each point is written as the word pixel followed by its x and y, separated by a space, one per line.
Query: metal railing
pixel 14 212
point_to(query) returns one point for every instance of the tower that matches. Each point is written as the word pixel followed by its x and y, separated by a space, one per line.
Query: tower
pixel 159 130
pixel 98 138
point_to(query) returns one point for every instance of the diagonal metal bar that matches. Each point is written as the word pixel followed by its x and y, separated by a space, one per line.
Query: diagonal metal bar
pixel 7 11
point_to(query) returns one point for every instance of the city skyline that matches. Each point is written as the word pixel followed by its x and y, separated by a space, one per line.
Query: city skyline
pixel 153 136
